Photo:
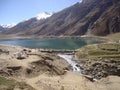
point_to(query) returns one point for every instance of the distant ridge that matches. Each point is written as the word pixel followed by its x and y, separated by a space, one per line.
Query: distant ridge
pixel 4 27
pixel 7 25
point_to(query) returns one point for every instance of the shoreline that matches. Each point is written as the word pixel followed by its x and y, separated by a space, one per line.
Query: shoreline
pixel 15 37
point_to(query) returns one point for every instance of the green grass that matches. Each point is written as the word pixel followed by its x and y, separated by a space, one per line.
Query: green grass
pixel 62 88
pixel 10 84
pixel 115 37
pixel 4 81
pixel 110 46
pixel 105 56
pixel 108 50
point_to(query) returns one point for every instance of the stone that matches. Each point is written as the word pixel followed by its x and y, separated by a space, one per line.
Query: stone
pixel 21 55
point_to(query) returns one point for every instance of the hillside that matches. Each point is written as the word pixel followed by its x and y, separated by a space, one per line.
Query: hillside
pixel 96 17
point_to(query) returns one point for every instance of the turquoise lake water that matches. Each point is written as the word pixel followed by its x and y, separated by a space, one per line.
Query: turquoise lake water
pixel 53 43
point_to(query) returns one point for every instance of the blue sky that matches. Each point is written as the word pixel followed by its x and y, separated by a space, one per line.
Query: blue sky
pixel 14 11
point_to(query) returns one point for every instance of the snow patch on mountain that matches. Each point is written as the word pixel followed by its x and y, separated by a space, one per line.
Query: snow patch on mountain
pixel 8 25
pixel 43 15
pixel 80 1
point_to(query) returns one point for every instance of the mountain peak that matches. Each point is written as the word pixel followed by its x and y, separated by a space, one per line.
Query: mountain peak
pixel 43 15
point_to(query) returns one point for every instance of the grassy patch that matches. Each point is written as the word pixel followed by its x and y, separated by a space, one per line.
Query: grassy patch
pixel 4 81
pixel 108 50
pixel 10 84
pixel 115 37
pixel 62 88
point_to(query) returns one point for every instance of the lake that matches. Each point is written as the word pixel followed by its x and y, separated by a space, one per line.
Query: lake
pixel 53 43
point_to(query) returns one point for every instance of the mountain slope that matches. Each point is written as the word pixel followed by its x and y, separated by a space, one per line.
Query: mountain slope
pixel 108 22
pixel 88 17
pixel 1 28
pixel 29 24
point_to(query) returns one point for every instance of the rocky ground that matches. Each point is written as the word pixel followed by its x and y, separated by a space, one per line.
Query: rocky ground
pixel 30 69
pixel 20 63
pixel 100 60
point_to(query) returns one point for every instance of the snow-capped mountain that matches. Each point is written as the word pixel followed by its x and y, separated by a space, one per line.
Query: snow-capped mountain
pixel 4 27
pixel 43 15
pixel 29 24
pixel 7 25
pixel 88 17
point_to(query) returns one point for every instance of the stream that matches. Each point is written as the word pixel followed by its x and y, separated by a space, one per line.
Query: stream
pixel 69 58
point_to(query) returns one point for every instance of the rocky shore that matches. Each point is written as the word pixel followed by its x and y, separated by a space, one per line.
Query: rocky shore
pixel 31 69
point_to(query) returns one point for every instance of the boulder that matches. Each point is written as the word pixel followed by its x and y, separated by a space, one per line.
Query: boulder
pixel 21 55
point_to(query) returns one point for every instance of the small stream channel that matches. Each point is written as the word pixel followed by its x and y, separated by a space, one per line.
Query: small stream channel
pixel 69 59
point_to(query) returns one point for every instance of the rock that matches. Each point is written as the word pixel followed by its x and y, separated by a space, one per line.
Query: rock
pixel 21 55
pixel 4 51
pixel 28 70
pixel 13 70
pixel 59 70
pixel 89 77
pixel 49 64
pixel 14 67
pixel 24 49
